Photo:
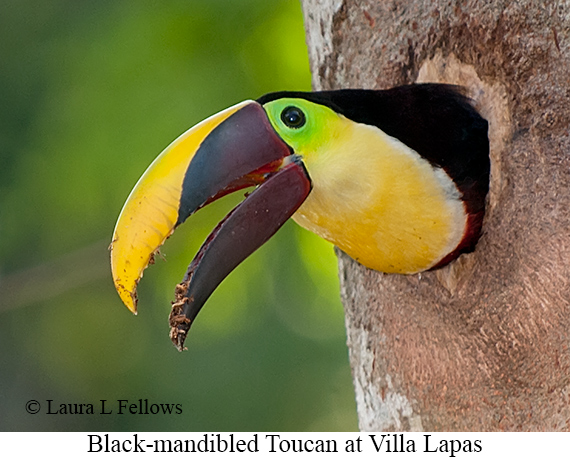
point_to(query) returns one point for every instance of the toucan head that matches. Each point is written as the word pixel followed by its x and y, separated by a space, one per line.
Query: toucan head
pixel 352 166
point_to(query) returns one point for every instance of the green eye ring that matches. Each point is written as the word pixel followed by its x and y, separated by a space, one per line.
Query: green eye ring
pixel 293 117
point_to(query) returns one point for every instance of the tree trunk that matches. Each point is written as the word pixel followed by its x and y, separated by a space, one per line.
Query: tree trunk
pixel 482 344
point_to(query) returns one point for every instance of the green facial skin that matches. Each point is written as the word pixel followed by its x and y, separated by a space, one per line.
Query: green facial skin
pixel 306 137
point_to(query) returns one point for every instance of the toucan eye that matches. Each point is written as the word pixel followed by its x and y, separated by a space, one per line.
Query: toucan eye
pixel 293 117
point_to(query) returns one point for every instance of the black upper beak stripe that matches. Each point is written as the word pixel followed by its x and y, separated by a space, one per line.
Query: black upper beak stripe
pixel 239 145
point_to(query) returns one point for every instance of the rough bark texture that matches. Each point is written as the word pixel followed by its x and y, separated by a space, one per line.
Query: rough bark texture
pixel 482 344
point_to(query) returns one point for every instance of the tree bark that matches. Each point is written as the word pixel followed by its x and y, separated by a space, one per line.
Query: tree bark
pixel 482 344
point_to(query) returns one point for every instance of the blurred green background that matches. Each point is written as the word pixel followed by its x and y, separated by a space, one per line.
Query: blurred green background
pixel 90 93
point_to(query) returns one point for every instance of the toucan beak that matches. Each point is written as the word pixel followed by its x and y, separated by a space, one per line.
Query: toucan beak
pixel 231 150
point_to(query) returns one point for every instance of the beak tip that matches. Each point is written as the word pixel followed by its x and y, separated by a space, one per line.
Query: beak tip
pixel 178 337
pixel 132 304
pixel 132 307
pixel 129 298
pixel 179 323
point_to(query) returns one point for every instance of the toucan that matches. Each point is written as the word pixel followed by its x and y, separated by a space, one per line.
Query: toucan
pixel 395 178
